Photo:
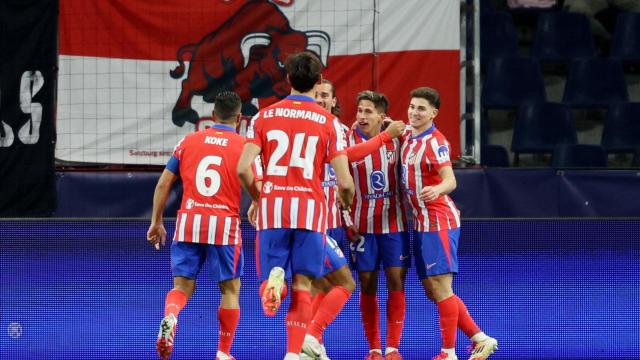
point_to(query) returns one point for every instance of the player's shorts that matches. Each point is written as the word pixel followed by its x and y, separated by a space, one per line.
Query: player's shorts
pixel 224 261
pixel 392 250
pixel 436 252
pixel 337 234
pixel 297 250
pixel 333 256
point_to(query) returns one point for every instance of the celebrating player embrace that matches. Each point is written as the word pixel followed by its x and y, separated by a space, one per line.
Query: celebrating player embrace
pixel 428 178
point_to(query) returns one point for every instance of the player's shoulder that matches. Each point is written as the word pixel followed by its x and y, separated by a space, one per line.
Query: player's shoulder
pixel 438 135
pixel 190 138
pixel 406 133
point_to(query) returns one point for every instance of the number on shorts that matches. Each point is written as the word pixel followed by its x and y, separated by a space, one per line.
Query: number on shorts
pixel 357 246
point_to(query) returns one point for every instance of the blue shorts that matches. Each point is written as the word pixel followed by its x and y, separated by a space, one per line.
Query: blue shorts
pixel 436 252
pixel 333 255
pixel 298 251
pixel 338 235
pixel 390 249
pixel 225 261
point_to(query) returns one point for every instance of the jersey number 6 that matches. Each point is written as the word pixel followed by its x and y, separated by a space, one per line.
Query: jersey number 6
pixel 203 173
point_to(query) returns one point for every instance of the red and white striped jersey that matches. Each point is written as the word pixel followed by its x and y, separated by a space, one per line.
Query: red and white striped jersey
pixel 329 186
pixel 334 220
pixel 209 212
pixel 296 137
pixel 378 205
pixel 422 156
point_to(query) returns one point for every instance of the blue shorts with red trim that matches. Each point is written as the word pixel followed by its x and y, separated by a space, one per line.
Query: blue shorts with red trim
pixel 334 257
pixel 298 251
pixel 225 262
pixel 392 250
pixel 436 252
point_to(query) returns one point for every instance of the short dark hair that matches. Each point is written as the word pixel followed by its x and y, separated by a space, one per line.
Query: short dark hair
pixel 427 93
pixel 379 100
pixel 304 70
pixel 227 105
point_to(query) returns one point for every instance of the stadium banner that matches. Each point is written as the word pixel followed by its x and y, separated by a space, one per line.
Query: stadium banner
pixel 136 76
pixel 28 43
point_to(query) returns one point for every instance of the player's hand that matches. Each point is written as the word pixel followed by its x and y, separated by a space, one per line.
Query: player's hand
pixel 157 235
pixel 341 204
pixel 395 128
pixel 429 193
pixel 352 233
pixel 252 214
pixel 386 122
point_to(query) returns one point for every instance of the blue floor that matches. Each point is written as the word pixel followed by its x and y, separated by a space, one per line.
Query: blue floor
pixel 95 290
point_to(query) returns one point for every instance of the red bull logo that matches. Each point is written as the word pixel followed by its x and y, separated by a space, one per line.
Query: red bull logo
pixel 245 54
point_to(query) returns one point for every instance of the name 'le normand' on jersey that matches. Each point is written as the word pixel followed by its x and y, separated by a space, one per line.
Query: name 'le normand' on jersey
pixel 295 114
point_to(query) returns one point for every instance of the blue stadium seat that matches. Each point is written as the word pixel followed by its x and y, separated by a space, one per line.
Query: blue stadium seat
pixel 595 83
pixel 562 37
pixel 579 155
pixel 497 36
pixel 539 127
pixel 626 38
pixel 621 132
pixel 485 7
pixel 494 156
pixel 510 82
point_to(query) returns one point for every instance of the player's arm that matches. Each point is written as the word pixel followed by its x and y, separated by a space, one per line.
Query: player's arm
pixel 362 150
pixel 245 172
pixel 446 186
pixel 252 212
pixel 346 188
pixel 157 234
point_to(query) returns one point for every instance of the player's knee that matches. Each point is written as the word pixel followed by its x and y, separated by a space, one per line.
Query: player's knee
pixel 430 294
pixel 395 284
pixel 187 286
pixel 230 287
pixel 348 283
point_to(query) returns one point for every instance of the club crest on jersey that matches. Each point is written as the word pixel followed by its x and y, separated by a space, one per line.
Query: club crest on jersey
pixel 378 181
pixel 443 153
pixel 411 158
pixel 391 157
pixel 267 187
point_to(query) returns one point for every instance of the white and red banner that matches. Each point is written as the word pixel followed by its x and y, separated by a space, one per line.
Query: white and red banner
pixel 136 76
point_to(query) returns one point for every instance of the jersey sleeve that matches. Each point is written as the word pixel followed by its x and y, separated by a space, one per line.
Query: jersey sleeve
pixel 257 168
pixel 337 140
pixel 254 131
pixel 178 150
pixel 173 165
pixel 438 152
pixel 360 151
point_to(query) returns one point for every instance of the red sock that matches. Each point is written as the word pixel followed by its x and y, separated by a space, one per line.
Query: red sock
pixel 448 311
pixel 370 319
pixel 174 302
pixel 330 308
pixel 316 301
pixel 297 319
pixel 465 321
pixel 395 318
pixel 228 319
